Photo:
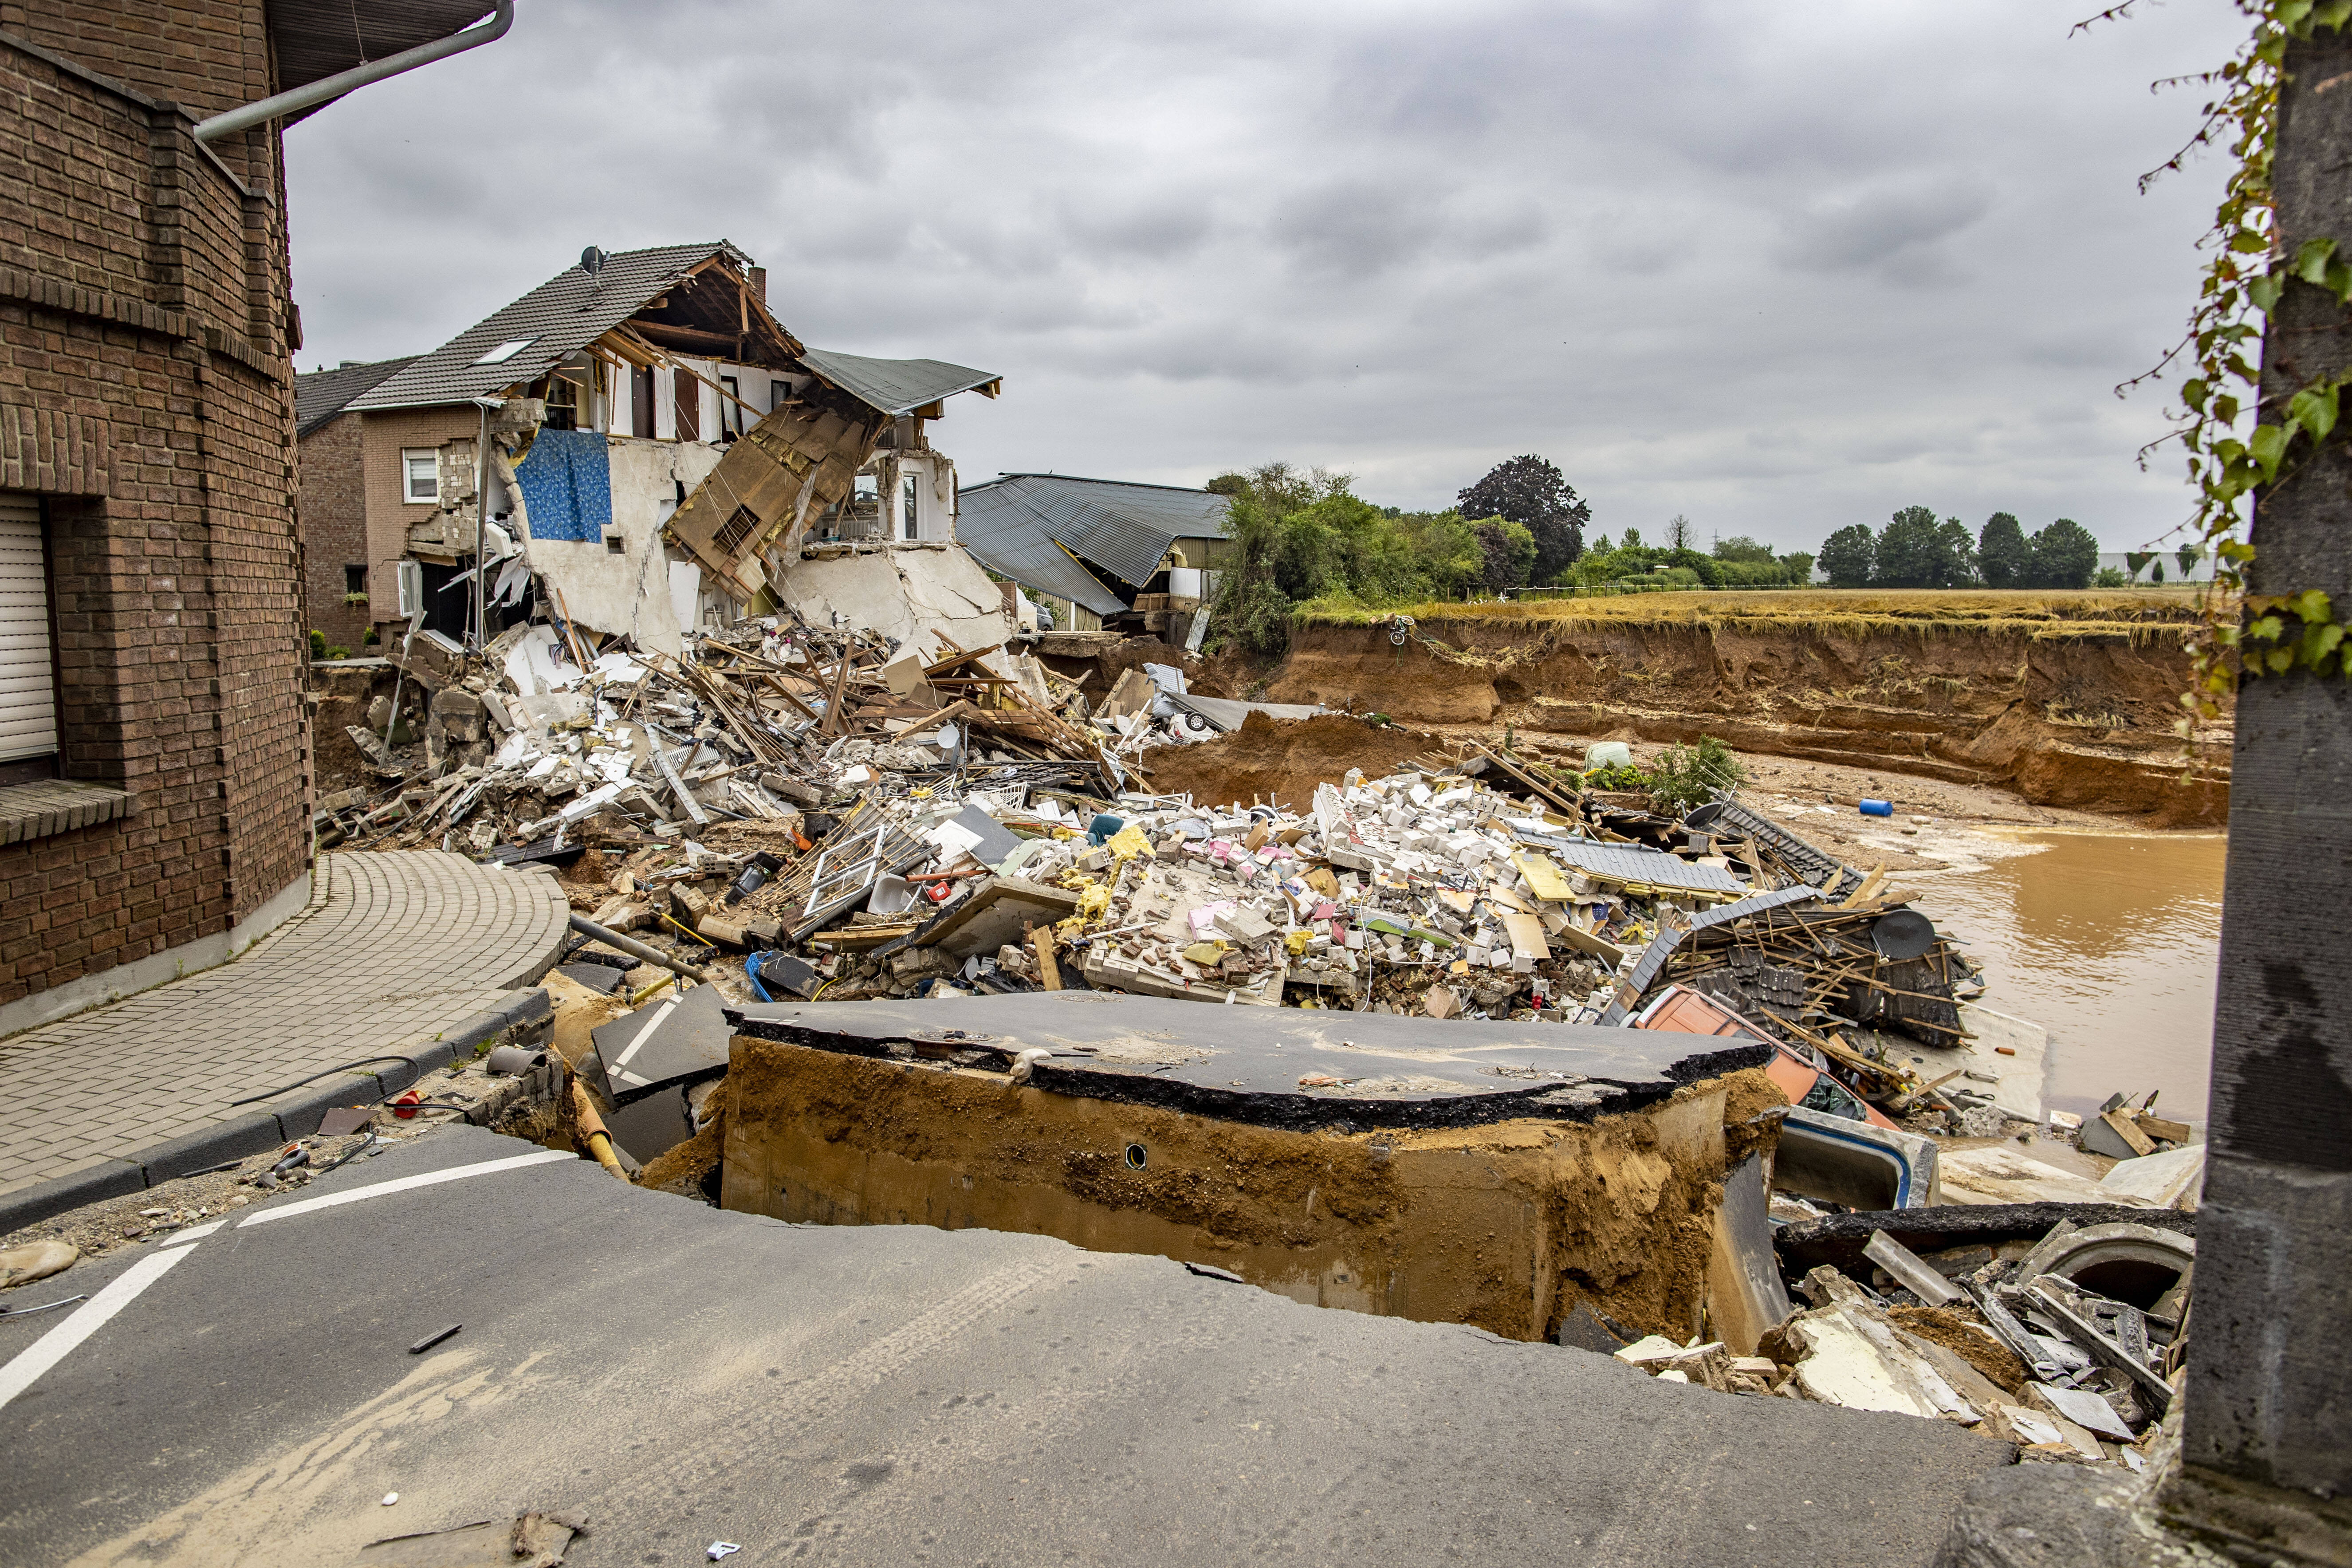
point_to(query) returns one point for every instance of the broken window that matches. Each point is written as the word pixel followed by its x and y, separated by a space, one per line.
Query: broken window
pixel 730 405
pixel 354 580
pixel 420 475
pixel 909 486
pixel 687 393
pixel 641 402
pixel 735 531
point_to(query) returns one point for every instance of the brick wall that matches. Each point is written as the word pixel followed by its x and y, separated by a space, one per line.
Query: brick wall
pixel 383 436
pixel 334 533
pixel 145 391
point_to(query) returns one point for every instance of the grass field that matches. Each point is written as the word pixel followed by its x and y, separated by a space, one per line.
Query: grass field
pixel 2062 613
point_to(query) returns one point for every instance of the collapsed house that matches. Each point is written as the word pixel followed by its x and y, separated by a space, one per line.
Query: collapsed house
pixel 658 456
pixel 1099 555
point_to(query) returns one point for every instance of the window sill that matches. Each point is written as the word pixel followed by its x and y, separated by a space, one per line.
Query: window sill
pixel 59 805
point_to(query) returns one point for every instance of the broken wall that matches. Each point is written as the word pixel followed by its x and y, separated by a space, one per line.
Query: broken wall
pixel 901 591
pixel 638 591
pixel 1505 1226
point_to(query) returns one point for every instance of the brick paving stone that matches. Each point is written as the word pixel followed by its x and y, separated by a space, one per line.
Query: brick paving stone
pixel 401 947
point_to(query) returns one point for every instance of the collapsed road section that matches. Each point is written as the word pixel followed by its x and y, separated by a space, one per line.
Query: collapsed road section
pixel 1497 1175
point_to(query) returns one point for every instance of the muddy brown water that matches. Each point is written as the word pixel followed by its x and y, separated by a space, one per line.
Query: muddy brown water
pixel 2111 941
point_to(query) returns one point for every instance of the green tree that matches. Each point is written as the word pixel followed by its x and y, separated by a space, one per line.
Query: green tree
pixel 2003 558
pixel 1740 547
pixel 1799 567
pixel 1508 553
pixel 1907 551
pixel 2065 555
pixel 1529 490
pixel 1850 557
pixel 1954 564
pixel 1633 540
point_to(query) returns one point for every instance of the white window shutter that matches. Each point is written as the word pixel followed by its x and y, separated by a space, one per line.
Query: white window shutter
pixel 28 707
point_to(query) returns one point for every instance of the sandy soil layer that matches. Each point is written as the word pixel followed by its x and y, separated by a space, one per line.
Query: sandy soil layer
pixel 2068 710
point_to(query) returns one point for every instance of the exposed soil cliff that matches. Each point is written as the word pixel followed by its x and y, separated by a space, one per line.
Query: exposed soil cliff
pixel 2070 709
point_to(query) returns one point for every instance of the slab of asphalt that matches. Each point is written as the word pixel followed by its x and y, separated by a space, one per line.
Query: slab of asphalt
pixel 682 1376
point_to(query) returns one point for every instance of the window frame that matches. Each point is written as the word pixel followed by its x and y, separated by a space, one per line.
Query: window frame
pixel 409 456
pixel 910 491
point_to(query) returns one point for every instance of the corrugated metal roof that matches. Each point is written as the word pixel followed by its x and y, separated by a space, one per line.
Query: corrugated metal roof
pixel 1649 867
pixel 895 385
pixel 1123 528
pixel 567 312
pixel 323 393
pixel 1011 541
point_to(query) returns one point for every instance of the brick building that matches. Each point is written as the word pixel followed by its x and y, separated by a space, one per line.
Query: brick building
pixel 338 580
pixel 154 810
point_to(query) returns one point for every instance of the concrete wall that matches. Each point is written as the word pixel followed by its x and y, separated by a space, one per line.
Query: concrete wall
pixel 629 591
pixel 146 395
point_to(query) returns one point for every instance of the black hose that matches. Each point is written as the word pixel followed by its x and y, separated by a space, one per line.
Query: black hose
pixel 324 1072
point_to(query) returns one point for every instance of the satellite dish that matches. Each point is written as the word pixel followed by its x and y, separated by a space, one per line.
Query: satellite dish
pixel 592 261
pixel 947 739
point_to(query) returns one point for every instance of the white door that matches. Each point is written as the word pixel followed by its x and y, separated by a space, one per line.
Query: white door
pixel 29 709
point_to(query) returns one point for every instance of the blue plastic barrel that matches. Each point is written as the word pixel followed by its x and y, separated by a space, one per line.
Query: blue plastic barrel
pixel 1877 808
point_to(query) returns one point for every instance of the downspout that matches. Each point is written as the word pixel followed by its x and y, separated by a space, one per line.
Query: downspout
pixel 328 89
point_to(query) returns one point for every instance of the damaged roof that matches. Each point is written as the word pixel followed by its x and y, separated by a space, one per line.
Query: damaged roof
pixel 1025 523
pixel 323 393
pixel 565 314
pixel 898 385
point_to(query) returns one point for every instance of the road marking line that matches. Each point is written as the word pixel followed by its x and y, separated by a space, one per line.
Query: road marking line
pixel 660 1015
pixel 193 1233
pixel 406 1184
pixel 53 1347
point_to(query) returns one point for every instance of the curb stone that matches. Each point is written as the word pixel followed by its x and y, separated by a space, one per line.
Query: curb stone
pixel 297 1115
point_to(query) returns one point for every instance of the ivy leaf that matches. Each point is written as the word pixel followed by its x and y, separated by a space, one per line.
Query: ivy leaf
pixel 2311 607
pixel 2265 629
pixel 2287 13
pixel 2225 409
pixel 2268 447
pixel 2313 408
pixel 2311 259
pixel 2319 646
pixel 2195 390
pixel 2264 291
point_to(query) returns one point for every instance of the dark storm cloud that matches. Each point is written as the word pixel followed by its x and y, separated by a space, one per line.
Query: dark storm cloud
pixel 1778 268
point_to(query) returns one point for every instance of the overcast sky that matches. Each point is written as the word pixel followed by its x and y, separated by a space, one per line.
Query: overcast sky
pixel 1778 268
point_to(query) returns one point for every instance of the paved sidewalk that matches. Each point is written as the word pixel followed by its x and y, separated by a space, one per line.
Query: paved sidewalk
pixel 400 948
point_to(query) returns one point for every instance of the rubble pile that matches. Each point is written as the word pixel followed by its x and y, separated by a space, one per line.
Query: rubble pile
pixel 2009 1333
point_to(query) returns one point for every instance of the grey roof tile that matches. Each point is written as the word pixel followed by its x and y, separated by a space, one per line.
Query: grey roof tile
pixel 567 312
pixel 323 393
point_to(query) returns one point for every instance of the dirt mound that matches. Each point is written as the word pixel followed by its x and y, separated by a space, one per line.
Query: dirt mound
pixel 1281 759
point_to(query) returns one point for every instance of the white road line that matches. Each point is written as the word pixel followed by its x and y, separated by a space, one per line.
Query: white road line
pixel 193 1233
pixel 660 1015
pixel 53 1347
pixel 406 1184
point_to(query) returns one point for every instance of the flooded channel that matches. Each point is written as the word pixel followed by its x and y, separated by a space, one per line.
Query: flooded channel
pixel 2112 940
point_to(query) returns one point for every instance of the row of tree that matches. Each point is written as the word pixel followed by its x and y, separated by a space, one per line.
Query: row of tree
pixel 1916 551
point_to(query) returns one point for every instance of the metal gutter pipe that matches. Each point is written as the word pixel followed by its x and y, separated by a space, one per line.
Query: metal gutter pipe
pixel 328 89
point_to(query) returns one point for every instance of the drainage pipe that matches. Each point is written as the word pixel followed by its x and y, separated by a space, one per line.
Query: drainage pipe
pixel 637 949
pixel 328 89
pixel 592 1130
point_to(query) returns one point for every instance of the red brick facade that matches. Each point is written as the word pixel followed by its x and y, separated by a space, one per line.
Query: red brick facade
pixel 146 395
pixel 335 534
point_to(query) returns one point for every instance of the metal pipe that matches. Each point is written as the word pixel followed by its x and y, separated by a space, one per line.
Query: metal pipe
pixel 593 1132
pixel 482 526
pixel 635 949
pixel 328 89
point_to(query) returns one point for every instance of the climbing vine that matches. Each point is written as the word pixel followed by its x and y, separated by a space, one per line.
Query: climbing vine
pixel 2240 634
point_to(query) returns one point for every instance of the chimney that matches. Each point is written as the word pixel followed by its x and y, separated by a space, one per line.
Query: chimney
pixel 759 284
